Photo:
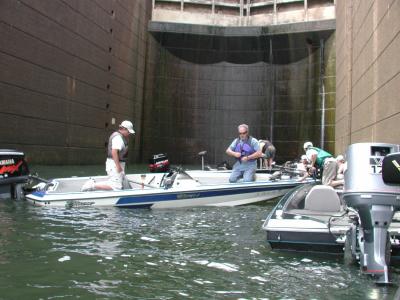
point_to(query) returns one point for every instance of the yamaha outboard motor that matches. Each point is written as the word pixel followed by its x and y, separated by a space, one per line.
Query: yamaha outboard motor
pixel 375 200
pixel 14 173
pixel 159 163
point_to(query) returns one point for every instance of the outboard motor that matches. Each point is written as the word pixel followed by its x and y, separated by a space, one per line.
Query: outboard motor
pixel 159 163
pixel 14 174
pixel 375 201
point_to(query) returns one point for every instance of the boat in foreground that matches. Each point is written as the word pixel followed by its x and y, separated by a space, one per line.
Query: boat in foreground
pixel 314 218
pixel 361 222
pixel 164 190
pixel 309 218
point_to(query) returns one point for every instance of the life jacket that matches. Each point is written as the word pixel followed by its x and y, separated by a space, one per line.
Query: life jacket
pixel 245 148
pixel 123 153
pixel 321 156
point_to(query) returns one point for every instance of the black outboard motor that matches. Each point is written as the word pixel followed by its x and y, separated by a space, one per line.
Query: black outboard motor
pixel 14 173
pixel 375 201
pixel 159 163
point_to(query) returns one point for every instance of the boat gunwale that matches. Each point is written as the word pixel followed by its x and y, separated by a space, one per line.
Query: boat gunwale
pixel 162 190
pixel 101 194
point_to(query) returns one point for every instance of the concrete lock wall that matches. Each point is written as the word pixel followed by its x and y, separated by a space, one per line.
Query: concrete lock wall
pixel 368 72
pixel 200 87
pixel 68 70
pixel 72 70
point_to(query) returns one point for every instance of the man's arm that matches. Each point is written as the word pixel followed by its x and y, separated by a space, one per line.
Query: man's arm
pixel 313 160
pixel 255 155
pixel 233 153
pixel 305 175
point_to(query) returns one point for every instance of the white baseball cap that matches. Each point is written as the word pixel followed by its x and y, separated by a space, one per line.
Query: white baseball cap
pixel 128 126
pixel 303 157
pixel 340 157
pixel 307 144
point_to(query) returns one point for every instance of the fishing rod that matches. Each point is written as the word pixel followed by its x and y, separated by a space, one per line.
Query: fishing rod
pixel 290 169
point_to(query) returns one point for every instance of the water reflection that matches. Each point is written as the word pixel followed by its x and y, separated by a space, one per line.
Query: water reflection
pixel 196 253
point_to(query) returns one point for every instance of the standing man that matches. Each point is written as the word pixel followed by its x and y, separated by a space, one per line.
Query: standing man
pixel 325 162
pixel 117 155
pixel 246 150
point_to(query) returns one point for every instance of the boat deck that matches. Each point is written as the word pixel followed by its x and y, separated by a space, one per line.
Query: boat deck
pixel 152 180
pixel 75 185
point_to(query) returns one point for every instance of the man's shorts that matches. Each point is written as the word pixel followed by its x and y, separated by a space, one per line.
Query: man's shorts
pixel 329 171
pixel 114 179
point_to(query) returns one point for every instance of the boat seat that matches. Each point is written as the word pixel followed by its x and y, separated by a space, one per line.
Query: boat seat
pixel 323 198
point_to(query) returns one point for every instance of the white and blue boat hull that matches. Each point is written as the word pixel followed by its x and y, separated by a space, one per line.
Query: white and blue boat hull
pixel 184 193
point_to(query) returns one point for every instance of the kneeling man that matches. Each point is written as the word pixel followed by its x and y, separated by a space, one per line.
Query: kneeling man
pixel 246 150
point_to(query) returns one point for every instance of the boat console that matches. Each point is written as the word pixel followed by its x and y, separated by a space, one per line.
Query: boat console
pixel 372 188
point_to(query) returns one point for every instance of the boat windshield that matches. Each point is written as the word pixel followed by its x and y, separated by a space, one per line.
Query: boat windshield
pixel 296 200
pixel 185 176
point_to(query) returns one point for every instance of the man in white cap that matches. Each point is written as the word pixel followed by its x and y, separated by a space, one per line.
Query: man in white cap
pixel 117 155
pixel 325 162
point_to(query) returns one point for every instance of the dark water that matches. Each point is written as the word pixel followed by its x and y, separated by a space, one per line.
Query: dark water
pixel 197 253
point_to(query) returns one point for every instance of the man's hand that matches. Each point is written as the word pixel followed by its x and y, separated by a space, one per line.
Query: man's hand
pixel 233 153
pixel 119 168
pixel 245 158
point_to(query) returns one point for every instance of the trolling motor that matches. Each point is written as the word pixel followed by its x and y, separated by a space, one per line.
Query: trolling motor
pixel 376 198
pixel 202 154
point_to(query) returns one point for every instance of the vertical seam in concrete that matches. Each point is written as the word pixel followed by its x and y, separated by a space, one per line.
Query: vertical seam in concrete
pixel 144 85
pixel 350 112
pixel 272 105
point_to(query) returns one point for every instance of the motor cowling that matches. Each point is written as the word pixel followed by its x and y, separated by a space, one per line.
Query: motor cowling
pixel 159 163
pixel 14 173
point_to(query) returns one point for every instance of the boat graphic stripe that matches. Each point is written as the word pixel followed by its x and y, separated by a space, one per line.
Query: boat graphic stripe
pixel 195 194
pixel 39 194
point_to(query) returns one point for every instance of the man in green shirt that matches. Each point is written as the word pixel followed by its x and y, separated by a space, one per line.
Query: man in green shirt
pixel 325 162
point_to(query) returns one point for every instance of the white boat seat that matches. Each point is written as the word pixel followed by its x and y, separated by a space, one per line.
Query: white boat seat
pixel 323 198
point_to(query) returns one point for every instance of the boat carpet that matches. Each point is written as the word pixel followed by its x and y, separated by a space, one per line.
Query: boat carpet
pixel 73 185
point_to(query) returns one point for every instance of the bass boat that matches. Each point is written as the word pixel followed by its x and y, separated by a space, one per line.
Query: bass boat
pixel 361 222
pixel 175 189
